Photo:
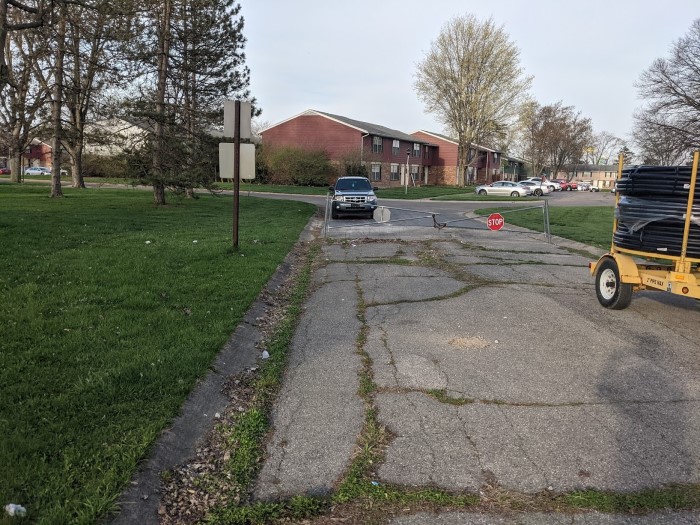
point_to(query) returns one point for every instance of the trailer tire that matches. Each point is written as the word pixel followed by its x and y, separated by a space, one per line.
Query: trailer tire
pixel 611 292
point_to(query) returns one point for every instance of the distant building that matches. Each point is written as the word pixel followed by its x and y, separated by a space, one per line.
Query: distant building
pixel 40 154
pixel 487 165
pixel 392 158
pixel 601 176
pixel 113 136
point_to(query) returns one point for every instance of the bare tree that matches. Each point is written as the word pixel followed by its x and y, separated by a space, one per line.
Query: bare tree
pixel 532 137
pixel 93 33
pixel 554 136
pixel 57 101
pixel 656 144
pixel 472 80
pixel 602 148
pixel 9 23
pixel 672 88
pixel 23 97
pixel 568 134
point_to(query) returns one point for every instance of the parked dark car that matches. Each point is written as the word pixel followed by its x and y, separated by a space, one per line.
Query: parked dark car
pixel 5 171
pixel 353 196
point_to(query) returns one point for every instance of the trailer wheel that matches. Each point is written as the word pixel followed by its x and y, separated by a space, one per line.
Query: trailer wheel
pixel 611 292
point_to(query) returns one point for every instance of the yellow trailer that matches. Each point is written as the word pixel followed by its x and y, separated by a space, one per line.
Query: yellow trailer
pixel 618 275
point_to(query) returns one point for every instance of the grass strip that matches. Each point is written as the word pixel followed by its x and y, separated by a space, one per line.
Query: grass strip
pixel 675 497
pixel 590 225
pixel 112 309
pixel 250 428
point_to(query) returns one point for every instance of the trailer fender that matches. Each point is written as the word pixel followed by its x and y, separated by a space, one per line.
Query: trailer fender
pixel 629 272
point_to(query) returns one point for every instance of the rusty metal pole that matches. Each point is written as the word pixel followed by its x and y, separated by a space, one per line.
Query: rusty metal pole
pixel 236 172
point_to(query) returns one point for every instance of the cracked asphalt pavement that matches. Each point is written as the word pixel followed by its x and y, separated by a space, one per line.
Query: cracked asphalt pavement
pixel 540 388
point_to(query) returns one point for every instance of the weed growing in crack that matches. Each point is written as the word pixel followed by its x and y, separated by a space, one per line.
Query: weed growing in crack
pixel 442 396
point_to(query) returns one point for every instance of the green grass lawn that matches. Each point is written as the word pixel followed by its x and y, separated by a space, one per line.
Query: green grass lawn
pixel 111 310
pixel 590 225
pixel 420 192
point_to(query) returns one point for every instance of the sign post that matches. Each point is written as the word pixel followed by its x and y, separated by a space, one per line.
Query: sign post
pixel 236 172
pixel 239 127
pixel 495 221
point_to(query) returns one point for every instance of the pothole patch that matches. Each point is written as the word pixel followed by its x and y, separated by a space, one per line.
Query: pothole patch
pixel 469 343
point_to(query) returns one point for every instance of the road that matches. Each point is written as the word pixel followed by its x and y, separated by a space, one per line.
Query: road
pixel 418 212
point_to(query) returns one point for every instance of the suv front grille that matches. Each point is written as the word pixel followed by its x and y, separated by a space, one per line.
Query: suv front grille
pixel 356 199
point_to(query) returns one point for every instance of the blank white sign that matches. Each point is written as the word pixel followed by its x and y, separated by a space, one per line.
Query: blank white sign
pixel 226 155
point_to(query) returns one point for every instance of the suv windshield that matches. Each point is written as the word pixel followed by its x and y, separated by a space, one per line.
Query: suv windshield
pixel 353 185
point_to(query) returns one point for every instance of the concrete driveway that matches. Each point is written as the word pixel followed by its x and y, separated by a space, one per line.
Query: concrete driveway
pixel 493 366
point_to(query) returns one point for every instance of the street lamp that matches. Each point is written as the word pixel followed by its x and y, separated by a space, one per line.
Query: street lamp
pixel 408 154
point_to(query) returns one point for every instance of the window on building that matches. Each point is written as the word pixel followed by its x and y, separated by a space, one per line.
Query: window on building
pixel 395 148
pixel 414 172
pixel 394 172
pixel 376 171
pixel 377 144
pixel 416 150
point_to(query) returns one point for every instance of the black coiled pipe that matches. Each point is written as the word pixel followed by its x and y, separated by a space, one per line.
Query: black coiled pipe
pixel 652 208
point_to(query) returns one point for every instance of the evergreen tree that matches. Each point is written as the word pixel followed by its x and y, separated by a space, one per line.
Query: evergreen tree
pixel 200 63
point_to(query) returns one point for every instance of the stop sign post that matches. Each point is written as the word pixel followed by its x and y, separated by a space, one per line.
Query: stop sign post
pixel 495 221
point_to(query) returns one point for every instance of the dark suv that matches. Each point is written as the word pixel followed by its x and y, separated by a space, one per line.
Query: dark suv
pixel 352 196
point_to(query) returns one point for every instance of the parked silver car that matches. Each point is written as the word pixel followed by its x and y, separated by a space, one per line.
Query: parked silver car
pixel 503 187
pixel 37 170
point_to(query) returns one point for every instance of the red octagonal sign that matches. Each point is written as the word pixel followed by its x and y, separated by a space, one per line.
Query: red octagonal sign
pixel 495 221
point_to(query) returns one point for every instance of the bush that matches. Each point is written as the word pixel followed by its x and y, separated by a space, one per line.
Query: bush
pixel 297 167
pixel 104 166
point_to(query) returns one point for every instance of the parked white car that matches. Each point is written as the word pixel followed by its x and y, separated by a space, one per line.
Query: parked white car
pixel 551 184
pixel 538 189
pixel 503 187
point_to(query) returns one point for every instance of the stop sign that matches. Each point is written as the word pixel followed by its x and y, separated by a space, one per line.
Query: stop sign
pixel 495 221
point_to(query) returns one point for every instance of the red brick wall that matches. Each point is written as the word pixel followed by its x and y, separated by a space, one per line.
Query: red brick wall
pixel 314 132
pixel 40 155
pixel 445 162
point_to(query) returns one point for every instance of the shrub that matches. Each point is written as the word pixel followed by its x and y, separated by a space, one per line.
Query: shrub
pixel 297 167
pixel 104 166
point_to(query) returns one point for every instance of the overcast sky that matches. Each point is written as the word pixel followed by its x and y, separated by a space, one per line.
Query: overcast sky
pixel 357 58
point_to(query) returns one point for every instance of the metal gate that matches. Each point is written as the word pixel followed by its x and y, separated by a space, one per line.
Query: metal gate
pixel 382 216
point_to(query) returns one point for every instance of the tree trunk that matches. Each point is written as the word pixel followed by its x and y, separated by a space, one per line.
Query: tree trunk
pixel 163 54
pixel 158 193
pixel 15 167
pixel 76 165
pixel 4 70
pixel 56 107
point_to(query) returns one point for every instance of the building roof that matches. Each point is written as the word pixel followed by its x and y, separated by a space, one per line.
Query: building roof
pixel 453 140
pixel 592 167
pixel 364 127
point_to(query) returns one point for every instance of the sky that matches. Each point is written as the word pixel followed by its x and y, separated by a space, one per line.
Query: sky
pixel 358 58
